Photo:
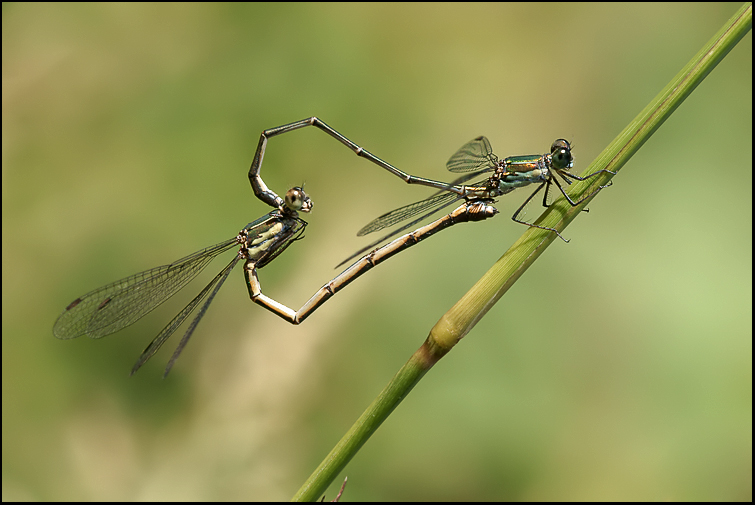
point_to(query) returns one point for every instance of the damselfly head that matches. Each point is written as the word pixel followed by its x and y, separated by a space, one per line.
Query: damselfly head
pixel 561 154
pixel 296 199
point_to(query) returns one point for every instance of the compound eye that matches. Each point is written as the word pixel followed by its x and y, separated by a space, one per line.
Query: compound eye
pixel 297 199
pixel 294 199
pixel 561 154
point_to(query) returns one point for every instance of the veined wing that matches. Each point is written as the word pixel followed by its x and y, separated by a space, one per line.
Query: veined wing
pixel 431 205
pixel 121 303
pixel 407 211
pixel 474 156
pixel 215 284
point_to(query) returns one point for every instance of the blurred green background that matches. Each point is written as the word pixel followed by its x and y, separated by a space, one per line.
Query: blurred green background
pixel 618 368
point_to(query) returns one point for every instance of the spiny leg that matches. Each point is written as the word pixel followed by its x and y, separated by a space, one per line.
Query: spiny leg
pixel 516 219
pixel 566 178
pixel 547 183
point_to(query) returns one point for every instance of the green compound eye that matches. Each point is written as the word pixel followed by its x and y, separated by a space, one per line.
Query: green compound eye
pixel 561 154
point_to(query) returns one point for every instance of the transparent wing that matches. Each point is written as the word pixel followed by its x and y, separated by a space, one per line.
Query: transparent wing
pixel 117 305
pixel 397 215
pixel 474 156
pixel 223 275
pixel 173 325
pixel 438 204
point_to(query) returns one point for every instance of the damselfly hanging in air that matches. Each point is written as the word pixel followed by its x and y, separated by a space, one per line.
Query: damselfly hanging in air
pixel 120 304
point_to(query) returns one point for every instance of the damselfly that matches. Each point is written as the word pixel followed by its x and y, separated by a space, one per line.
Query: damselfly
pixel 476 157
pixel 112 307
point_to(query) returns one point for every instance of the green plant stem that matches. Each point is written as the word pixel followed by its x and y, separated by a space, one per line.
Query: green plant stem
pixel 463 316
